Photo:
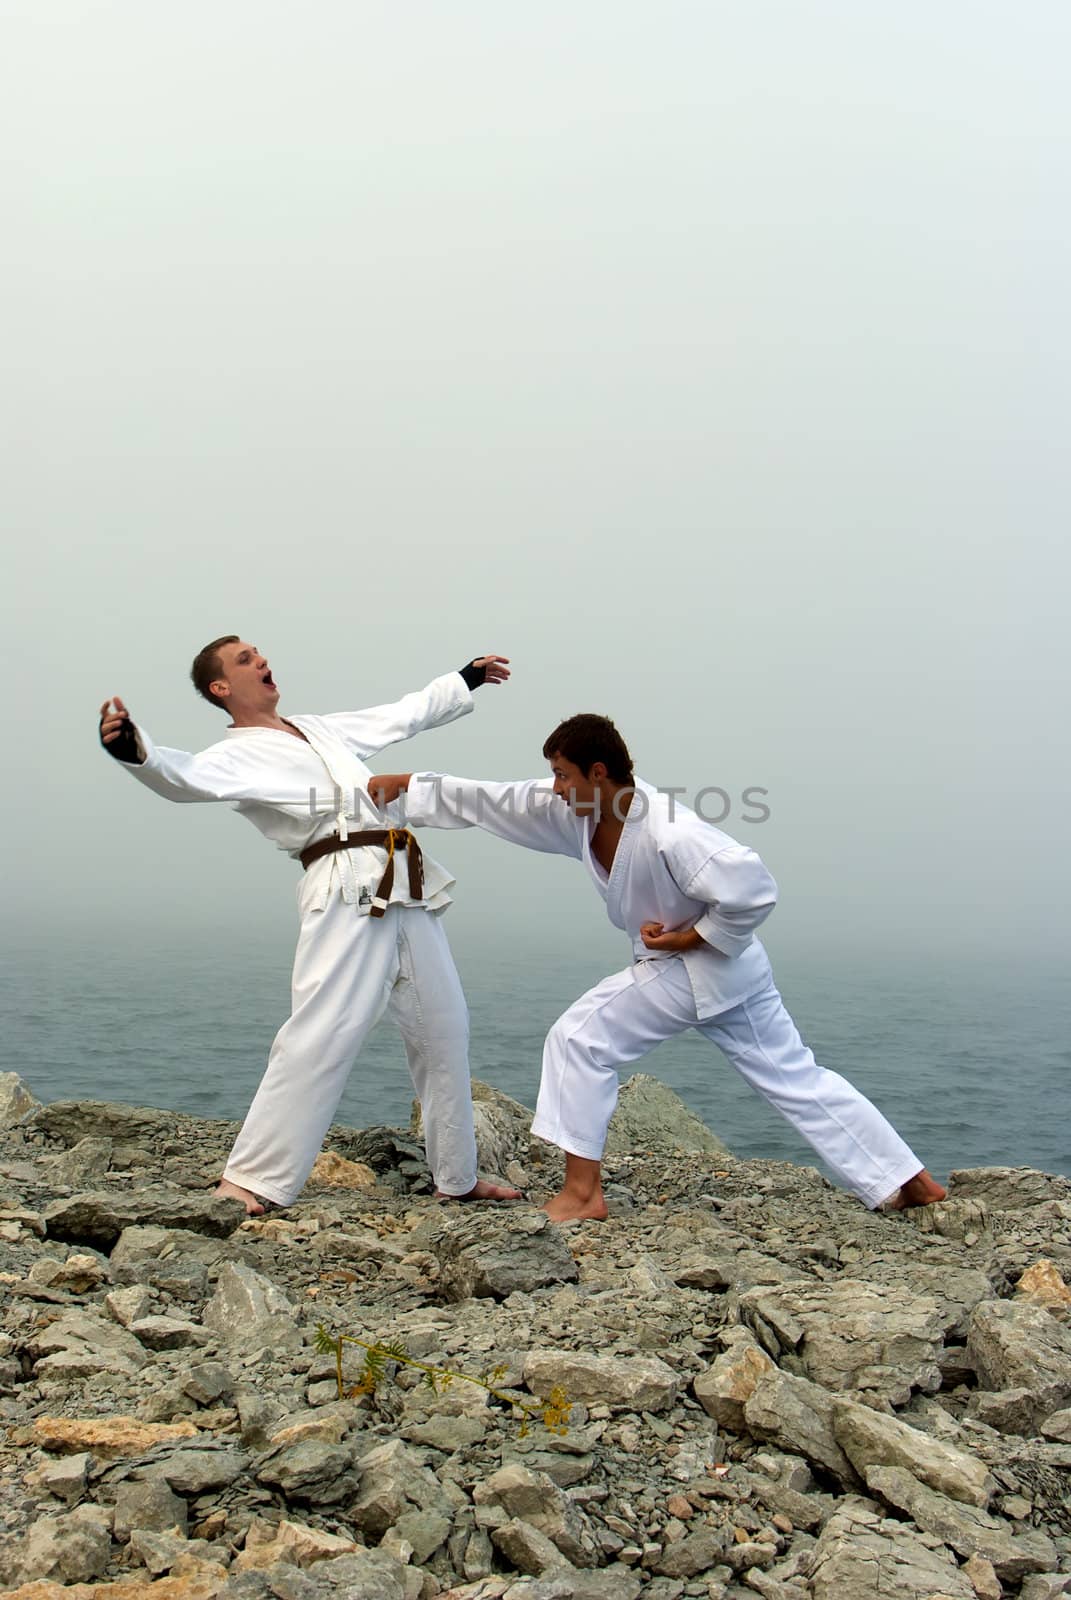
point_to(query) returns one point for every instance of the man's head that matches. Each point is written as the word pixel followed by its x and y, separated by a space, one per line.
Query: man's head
pixel 234 676
pixel 587 755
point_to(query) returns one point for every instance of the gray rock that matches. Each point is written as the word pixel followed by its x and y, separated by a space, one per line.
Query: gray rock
pixel 248 1306
pixel 1046 1586
pixel 650 1116
pixel 151 1505
pixel 72 1548
pixel 533 1498
pixel 167 1333
pixel 208 1383
pixel 159 1552
pixel 525 1548
pixel 424 1531
pixel 736 1270
pixel 194 1472
pixel 726 1387
pixel 98 1218
pixel 697 1552
pixel 870 1438
pixel 798 1415
pixel 1006 1410
pixel 490 1257
pixel 447 1433
pixel 89 1158
pixel 1008 1188
pixel 1015 1345
pixel 848 1334
pixel 129 1304
pixel 638 1383
pixel 154 1255
pixel 80 1343
pixel 307 1469
pixel 393 1480
pixel 17 1104
pixel 966 1529
pixel 73 1120
pixel 365 1575
pixel 860 1556
pixel 1058 1426
pixel 65 1479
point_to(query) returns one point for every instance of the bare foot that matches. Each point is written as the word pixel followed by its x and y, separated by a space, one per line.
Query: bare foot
pixel 227 1190
pixel 566 1207
pixel 482 1190
pixel 921 1190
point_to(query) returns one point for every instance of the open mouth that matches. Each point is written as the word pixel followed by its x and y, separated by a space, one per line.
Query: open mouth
pixel 268 680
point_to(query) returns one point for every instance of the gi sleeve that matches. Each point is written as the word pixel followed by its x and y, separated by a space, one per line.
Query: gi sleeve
pixel 367 732
pixel 738 892
pixel 177 775
pixel 528 813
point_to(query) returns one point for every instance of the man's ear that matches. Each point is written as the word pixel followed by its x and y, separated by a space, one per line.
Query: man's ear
pixel 598 772
pixel 220 688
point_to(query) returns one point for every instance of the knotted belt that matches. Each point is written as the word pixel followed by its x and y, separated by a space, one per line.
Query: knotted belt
pixel 389 839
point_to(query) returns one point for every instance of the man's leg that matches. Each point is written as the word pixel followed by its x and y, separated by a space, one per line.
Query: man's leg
pixel 618 1021
pixel 852 1137
pixel 344 968
pixel 429 1007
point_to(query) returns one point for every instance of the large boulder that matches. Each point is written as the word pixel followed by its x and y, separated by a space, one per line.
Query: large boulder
pixel 99 1217
pixel 1013 1344
pixel 491 1256
pixel 651 1117
pixel 17 1104
pixel 633 1383
pixel 850 1335
pixel 968 1530
pixel 860 1555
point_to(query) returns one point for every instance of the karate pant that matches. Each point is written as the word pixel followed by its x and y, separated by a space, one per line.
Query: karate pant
pixel 629 1013
pixel 348 971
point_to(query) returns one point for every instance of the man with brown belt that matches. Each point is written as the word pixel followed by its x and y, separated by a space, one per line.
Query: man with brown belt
pixel 370 939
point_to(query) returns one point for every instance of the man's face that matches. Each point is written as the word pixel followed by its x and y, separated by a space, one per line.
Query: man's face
pixel 245 682
pixel 571 785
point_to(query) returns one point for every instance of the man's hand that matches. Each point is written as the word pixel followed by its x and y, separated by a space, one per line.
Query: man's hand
pixel 111 722
pixel 388 786
pixel 655 937
pixel 497 668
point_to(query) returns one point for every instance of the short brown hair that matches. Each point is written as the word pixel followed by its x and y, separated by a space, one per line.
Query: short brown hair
pixel 207 667
pixel 588 738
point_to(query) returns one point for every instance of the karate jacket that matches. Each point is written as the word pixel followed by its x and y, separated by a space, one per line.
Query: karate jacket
pixel 296 793
pixel 670 867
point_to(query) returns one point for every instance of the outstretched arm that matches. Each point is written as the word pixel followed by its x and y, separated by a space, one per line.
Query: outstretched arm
pixel 176 774
pixel 527 813
pixel 443 700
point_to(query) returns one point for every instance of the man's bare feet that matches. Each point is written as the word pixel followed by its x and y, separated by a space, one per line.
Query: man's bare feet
pixel 226 1190
pixel 569 1207
pixel 921 1190
pixel 482 1190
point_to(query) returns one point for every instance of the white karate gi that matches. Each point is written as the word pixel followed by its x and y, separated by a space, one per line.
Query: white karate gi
pixel 672 867
pixel 348 968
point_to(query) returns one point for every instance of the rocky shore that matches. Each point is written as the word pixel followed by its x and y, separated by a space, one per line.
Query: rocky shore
pixel 771 1391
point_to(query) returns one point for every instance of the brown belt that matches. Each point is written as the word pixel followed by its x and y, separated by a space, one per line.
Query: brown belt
pixel 389 839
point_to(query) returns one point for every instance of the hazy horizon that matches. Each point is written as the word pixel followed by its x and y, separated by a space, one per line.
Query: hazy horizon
pixel 711 362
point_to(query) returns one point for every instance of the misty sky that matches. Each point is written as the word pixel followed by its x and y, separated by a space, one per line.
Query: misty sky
pixel 710 360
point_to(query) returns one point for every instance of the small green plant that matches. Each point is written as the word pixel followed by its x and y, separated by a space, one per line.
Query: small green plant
pixel 553 1412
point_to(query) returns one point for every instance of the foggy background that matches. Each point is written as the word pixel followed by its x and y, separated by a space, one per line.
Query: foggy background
pixel 709 360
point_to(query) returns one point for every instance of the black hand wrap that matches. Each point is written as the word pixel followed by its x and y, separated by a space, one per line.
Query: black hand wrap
pixel 473 675
pixel 125 748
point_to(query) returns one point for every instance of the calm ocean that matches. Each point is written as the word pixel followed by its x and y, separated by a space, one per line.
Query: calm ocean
pixel 971 1068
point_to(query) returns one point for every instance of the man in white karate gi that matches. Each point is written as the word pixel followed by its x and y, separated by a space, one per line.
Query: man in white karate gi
pixel 690 899
pixel 369 903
